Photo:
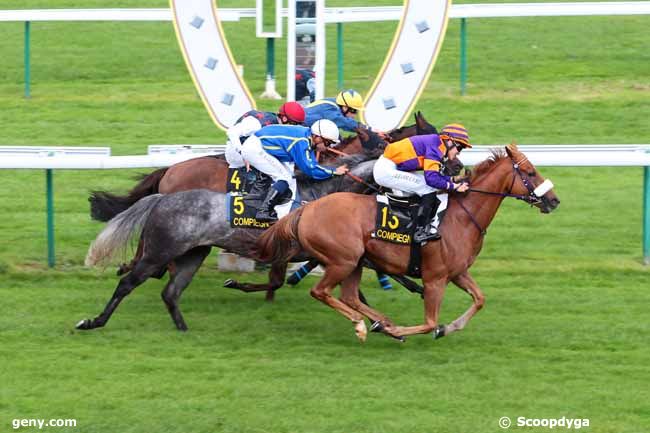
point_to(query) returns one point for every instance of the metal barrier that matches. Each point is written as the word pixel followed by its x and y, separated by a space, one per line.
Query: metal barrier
pixel 10 155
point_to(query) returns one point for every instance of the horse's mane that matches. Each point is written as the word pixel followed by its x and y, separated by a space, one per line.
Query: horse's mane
pixel 485 166
pixel 353 160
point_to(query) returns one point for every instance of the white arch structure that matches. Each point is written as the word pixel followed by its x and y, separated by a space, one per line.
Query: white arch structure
pixel 408 64
pixel 391 99
pixel 209 60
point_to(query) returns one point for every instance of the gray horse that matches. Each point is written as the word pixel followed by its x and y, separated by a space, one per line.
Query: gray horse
pixel 177 232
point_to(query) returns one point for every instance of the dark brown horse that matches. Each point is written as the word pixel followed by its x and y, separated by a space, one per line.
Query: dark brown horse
pixel 345 251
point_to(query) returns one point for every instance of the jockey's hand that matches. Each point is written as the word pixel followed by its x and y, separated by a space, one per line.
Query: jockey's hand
pixel 341 170
pixel 383 135
pixel 461 187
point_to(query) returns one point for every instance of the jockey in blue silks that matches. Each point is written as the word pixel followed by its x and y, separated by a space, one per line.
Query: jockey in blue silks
pixel 275 149
pixel 340 110
pixel 290 113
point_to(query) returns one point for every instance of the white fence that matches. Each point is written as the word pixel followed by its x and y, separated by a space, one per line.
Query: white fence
pixel 344 14
pixel 606 155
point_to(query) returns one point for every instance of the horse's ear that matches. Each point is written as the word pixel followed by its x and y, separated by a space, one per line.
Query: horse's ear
pixel 512 148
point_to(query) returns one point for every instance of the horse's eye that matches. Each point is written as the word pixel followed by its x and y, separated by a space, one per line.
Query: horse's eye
pixel 532 174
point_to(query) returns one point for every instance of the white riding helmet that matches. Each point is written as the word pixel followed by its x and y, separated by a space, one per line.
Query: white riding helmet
pixel 327 129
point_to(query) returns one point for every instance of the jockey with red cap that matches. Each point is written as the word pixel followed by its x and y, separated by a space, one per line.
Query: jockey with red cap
pixel 290 113
pixel 397 166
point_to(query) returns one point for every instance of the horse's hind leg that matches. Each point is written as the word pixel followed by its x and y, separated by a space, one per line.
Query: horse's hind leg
pixel 276 280
pixel 323 292
pixel 180 275
pixel 137 276
pixel 352 296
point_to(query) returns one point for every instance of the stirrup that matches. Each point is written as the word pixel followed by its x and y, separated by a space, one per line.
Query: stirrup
pixel 266 216
pixel 426 233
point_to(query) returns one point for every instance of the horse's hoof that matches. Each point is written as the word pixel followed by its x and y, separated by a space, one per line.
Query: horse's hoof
pixel 361 330
pixel 123 269
pixel 438 332
pixel 230 283
pixel 376 327
pixel 83 324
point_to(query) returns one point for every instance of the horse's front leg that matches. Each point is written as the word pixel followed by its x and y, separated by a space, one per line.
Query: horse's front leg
pixel 467 283
pixel 434 291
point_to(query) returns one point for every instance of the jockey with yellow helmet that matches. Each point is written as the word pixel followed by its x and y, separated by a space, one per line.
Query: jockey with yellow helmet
pixel 274 149
pixel 290 113
pixel 396 169
pixel 341 110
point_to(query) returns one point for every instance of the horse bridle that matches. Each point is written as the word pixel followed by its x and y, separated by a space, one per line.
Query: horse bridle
pixel 531 198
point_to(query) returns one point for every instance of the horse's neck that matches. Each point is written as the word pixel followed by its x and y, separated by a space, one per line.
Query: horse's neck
pixel 483 207
pixel 311 190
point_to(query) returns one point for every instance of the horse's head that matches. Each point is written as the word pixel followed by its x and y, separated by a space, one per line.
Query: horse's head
pixel 373 145
pixel 529 183
pixel 420 127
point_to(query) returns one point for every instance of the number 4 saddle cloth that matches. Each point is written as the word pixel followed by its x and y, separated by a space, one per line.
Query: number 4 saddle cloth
pixel 246 193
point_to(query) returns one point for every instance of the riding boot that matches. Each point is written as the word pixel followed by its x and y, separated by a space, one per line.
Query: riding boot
pixel 424 230
pixel 266 212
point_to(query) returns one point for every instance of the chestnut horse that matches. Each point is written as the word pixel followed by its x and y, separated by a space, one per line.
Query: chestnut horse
pixel 344 251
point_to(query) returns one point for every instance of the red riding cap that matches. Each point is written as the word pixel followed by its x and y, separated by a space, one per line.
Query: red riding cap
pixel 293 111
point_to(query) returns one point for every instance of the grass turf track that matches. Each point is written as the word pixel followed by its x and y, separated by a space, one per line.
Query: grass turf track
pixel 564 331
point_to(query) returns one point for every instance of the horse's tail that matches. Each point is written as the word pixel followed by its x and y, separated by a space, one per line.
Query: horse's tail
pixel 280 242
pixel 119 230
pixel 104 205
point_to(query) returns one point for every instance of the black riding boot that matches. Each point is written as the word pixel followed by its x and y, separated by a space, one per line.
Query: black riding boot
pixel 424 230
pixel 266 212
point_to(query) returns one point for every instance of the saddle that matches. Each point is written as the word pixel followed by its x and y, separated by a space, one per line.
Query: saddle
pixel 244 202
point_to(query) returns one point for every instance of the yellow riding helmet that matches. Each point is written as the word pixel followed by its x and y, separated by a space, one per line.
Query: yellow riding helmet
pixel 350 98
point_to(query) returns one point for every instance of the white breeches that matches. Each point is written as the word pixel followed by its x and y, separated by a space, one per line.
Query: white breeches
pixel 386 174
pixel 233 155
pixel 253 152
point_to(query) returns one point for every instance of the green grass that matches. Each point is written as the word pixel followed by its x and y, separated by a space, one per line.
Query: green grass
pixel 564 330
